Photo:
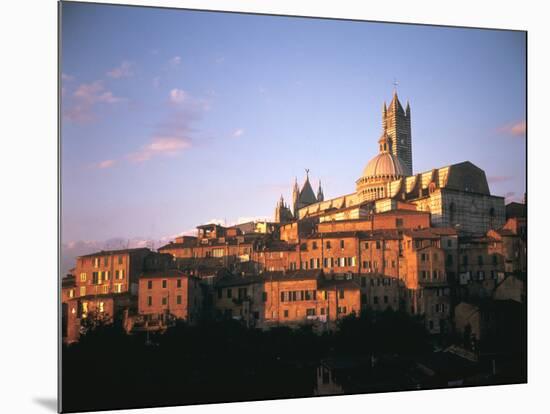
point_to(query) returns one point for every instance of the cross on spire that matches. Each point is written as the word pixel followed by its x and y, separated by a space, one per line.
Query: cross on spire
pixel 395 84
pixel 307 172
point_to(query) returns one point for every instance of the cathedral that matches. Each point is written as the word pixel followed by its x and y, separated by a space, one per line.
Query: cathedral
pixel 455 195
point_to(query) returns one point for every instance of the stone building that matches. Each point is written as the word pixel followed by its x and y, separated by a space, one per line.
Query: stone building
pixel 455 195
pixel 169 294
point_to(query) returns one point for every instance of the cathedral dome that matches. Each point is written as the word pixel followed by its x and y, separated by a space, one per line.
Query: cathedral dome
pixel 383 165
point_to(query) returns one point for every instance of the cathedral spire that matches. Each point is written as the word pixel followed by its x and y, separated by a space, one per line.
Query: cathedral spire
pixel 320 195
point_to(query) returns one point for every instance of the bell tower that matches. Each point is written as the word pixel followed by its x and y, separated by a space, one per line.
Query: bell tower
pixel 396 122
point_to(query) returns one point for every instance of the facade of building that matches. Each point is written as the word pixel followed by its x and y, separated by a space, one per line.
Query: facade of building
pixel 170 293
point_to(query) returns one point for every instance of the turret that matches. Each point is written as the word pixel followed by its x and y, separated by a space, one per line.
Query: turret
pixel 320 195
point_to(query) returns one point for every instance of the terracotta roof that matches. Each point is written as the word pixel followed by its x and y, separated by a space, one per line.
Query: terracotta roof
pixel 122 251
pixel 162 274
pixel 345 284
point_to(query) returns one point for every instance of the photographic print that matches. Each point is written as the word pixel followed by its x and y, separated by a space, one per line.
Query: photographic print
pixel 259 207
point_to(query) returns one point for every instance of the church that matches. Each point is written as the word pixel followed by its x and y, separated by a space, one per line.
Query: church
pixel 455 195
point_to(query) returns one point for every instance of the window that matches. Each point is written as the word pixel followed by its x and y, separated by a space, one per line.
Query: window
pixel 164 300
pixel 264 296
pixel 178 284
pixel 106 275
pixel 96 261
pixel 95 278
pixel 399 222
pixel 366 245
pixel 242 292
pixel 481 275
pixel 435 256
pixel 149 284
pixel 434 274
pixel 341 294
pixel 314 245
pixel 325 262
pixel 106 261
pixel 101 307
pixel 83 277
pixel 363 281
pixel 322 311
pixel 341 244
pixel 341 309
pixel 164 283
pixel 328 245
pixel 311 264
pixel 480 260
pixel 449 243
pixel 282 296
pixel 285 313
pixel 385 299
pixel 119 260
pixel 495 259
pixel 310 312
pixel 219 293
pixel 178 299
pixel 105 288
pixel 423 274
pixel 465 260
pixel 118 287
pixel 378 244
pixel 71 293
pixel 375 300
pixel 229 293
pixel 393 264
pixel 82 290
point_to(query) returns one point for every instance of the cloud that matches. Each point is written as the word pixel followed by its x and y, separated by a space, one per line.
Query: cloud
pixel 499 178
pixel 105 164
pixel 175 61
pixel 160 146
pixel 177 96
pixel 517 129
pixel 84 99
pixel 124 70
pixel 237 133
pixel 66 77
pixel 95 92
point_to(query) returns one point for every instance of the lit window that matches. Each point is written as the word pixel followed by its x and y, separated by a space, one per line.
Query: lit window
pixel 105 288
pixel 82 290
pixel 71 293
pixel 101 307
pixel 118 287
pixel 83 277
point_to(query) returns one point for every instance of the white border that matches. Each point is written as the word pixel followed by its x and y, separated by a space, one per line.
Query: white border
pixel 28 171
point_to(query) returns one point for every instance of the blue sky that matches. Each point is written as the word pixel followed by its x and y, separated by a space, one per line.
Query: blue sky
pixel 174 118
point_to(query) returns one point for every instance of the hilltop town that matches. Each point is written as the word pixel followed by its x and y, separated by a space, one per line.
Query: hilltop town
pixel 436 245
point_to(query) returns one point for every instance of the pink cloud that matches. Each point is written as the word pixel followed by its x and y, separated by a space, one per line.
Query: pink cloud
pixel 105 164
pixel 160 146
pixel 499 178
pixel 124 70
pixel 95 92
pixel 237 133
pixel 517 129
pixel 86 96
pixel 177 96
